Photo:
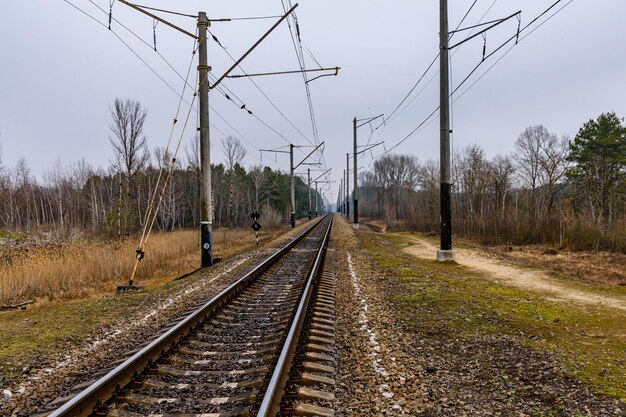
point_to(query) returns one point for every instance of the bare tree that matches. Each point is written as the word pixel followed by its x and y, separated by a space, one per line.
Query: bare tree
pixel 130 147
pixel 528 158
pixel 234 153
pixel 502 170
pixel 553 161
pixel 128 141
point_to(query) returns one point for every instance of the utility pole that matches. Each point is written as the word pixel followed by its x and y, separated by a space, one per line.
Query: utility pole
pixel 316 203
pixel 341 193
pixel 348 186
pixel 206 207
pixel 446 253
pixel 309 190
pixel 292 169
pixel 344 193
pixel 354 168
pixel 293 188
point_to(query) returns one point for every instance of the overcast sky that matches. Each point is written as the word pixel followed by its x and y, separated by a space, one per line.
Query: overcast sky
pixel 60 71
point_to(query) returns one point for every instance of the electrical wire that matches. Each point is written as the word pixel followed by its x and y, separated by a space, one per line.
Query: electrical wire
pixel 426 121
pixel 302 64
pixel 173 69
pixel 261 91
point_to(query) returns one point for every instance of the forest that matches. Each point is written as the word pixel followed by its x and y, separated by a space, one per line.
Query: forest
pixel 114 201
pixel 569 193
pixel 550 189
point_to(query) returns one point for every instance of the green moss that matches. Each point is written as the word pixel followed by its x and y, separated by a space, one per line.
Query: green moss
pixel 452 301
pixel 38 332
pixel 10 235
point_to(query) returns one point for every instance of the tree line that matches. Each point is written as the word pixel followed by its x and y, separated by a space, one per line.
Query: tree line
pixel 549 190
pixel 114 200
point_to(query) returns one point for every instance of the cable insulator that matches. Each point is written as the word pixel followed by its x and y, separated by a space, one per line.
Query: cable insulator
pixel 227 96
pixel 110 12
pixel 484 45
pixel 154 25
pixel 140 254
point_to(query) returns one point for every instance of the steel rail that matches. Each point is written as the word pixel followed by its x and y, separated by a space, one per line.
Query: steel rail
pixel 84 403
pixel 273 395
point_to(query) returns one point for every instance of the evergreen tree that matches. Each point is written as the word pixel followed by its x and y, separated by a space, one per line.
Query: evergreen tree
pixel 599 172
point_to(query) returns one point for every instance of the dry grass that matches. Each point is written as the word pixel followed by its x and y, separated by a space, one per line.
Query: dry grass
pixel 87 268
pixel 605 268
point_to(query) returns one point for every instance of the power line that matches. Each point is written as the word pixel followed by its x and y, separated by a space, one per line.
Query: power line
pixel 156 73
pixel 260 90
pixel 426 121
pixel 302 64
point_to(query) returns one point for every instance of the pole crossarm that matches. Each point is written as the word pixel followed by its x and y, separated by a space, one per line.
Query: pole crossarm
pixel 372 146
pixel 273 150
pixel 498 22
pixel 368 120
pixel 324 173
pixel 219 80
pixel 261 74
pixel 307 157
pixel 165 22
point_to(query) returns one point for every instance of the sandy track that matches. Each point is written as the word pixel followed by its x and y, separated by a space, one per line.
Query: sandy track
pixel 533 280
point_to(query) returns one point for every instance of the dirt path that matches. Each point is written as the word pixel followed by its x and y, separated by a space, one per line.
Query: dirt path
pixel 529 280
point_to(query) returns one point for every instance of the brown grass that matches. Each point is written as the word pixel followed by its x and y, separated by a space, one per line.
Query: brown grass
pixel 84 269
pixel 605 268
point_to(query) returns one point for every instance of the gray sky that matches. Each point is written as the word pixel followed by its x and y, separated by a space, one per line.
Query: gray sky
pixel 60 71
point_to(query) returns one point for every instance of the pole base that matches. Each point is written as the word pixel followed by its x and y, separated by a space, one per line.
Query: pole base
pixel 446 255
pixel 129 288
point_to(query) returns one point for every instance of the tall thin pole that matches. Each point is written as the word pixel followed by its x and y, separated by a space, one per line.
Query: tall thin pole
pixel 316 203
pixel 293 188
pixel 341 193
pixel 309 190
pixel 343 196
pixel 348 185
pixel 206 208
pixel 445 253
pixel 355 187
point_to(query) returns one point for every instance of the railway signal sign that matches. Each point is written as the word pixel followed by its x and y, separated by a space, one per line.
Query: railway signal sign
pixel 256 226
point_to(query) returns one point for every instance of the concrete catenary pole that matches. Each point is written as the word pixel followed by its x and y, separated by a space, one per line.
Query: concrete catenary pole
pixel 344 193
pixel 341 193
pixel 348 185
pixel 308 171
pixel 355 186
pixel 293 188
pixel 206 207
pixel 316 203
pixel 445 253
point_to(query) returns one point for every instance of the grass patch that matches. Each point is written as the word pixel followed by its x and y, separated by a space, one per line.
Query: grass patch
pixel 89 268
pixel 66 318
pixel 449 300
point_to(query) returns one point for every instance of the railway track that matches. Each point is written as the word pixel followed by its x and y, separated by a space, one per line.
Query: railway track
pixel 233 355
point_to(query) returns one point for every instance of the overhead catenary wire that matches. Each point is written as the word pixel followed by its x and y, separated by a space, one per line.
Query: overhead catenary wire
pixel 174 70
pixel 302 64
pixel 426 121
pixel 261 91
pixel 391 115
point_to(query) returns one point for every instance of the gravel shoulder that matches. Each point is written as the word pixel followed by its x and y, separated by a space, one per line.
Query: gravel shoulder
pixel 75 340
pixel 421 338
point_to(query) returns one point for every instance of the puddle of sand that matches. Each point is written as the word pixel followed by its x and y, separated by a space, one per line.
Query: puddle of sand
pixel 508 273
